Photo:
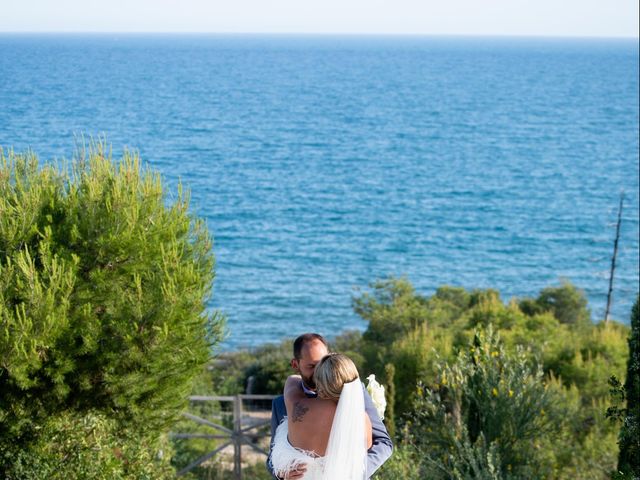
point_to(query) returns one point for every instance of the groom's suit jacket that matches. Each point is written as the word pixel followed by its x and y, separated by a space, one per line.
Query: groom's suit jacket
pixel 379 452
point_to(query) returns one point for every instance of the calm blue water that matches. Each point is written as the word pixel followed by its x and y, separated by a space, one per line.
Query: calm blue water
pixel 323 163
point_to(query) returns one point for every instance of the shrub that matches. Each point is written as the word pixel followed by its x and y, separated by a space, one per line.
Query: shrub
pixel 77 447
pixel 629 461
pixel 270 368
pixel 103 290
pixel 486 415
pixel 567 303
pixel 404 463
pixel 629 393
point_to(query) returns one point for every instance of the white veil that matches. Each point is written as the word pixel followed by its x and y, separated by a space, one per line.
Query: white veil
pixel 346 454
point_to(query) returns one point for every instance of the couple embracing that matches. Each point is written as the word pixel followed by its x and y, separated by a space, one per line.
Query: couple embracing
pixel 325 426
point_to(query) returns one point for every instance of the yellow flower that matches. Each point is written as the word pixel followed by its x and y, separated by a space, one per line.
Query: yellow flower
pixel 494 353
pixel 495 392
pixel 444 379
pixel 510 393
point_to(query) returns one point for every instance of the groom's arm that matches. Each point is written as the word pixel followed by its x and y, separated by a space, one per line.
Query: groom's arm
pixel 382 446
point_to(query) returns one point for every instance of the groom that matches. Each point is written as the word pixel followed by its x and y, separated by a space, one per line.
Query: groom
pixel 308 350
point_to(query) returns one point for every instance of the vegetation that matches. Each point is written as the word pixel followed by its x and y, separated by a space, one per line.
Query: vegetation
pixel 629 460
pixel 565 357
pixel 629 416
pixel 74 446
pixel 104 332
pixel 486 415
pixel 103 320
pixel 527 378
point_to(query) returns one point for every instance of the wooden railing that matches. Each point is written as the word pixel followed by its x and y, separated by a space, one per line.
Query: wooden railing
pixel 240 434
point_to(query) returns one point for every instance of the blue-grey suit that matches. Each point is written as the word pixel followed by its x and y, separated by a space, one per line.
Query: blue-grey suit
pixel 379 452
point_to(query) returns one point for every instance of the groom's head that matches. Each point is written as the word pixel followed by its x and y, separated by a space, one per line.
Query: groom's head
pixel 308 350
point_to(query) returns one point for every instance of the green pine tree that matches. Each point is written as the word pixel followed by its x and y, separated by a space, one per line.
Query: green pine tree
pixel 390 420
pixel 629 459
pixel 104 284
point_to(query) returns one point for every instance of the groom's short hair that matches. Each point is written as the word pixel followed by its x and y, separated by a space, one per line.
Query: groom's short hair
pixel 306 338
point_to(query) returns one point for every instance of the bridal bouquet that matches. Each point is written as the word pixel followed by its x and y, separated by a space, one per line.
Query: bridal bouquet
pixel 377 395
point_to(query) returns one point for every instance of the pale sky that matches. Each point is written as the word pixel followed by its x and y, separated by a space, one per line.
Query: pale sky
pixel 591 18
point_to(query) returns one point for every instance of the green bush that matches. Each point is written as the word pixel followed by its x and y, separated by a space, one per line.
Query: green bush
pixel 270 368
pixel 403 330
pixel 104 282
pixel 91 446
pixel 629 460
pixel 216 470
pixel 417 334
pixel 628 415
pixel 566 303
pixel 486 415
pixel 403 464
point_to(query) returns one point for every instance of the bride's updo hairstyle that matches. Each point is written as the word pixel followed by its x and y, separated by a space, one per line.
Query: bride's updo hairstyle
pixel 333 371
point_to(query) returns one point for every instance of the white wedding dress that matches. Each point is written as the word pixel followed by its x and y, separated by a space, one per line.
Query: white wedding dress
pixel 286 457
pixel 346 454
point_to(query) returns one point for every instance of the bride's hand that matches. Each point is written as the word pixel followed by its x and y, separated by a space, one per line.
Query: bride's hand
pixel 296 474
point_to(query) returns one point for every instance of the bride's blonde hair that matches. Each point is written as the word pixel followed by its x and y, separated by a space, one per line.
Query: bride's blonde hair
pixel 333 371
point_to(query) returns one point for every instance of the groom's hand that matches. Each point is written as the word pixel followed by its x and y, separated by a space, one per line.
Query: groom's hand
pixel 297 473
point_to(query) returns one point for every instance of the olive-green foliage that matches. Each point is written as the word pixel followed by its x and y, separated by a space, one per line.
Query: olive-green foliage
pixel 226 374
pixel 566 303
pixel 629 416
pixel 629 461
pixel 186 450
pixel 408 329
pixel 390 395
pixel 350 343
pixel 216 470
pixel 547 340
pixel 399 333
pixel 88 446
pixel 103 288
pixel 404 463
pixel 486 414
pixel 270 368
pixel 418 333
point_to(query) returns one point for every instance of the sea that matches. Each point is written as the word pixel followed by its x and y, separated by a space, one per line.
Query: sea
pixel 324 163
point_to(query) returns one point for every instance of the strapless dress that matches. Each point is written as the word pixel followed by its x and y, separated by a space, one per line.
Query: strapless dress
pixel 285 457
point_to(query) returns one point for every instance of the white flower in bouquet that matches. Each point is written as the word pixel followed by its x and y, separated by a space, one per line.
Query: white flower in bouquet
pixel 377 394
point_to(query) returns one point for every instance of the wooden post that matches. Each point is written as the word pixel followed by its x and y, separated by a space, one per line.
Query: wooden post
pixel 237 437
pixel 613 259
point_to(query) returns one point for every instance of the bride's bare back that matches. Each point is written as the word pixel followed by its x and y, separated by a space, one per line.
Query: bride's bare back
pixel 310 419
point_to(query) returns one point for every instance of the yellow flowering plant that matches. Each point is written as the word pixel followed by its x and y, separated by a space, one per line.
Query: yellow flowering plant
pixel 486 412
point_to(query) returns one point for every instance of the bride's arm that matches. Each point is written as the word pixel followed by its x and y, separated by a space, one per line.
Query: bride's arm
pixel 292 385
pixel 368 431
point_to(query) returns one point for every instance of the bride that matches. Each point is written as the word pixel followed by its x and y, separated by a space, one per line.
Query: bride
pixel 329 434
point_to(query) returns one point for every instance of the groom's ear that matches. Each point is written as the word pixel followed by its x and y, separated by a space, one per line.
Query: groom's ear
pixel 294 364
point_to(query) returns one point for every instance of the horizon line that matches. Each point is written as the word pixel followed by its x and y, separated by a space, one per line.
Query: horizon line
pixel 316 34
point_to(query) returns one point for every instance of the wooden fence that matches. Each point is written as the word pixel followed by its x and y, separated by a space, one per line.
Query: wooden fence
pixel 239 435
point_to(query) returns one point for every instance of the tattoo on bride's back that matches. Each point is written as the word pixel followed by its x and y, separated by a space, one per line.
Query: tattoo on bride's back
pixel 298 412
